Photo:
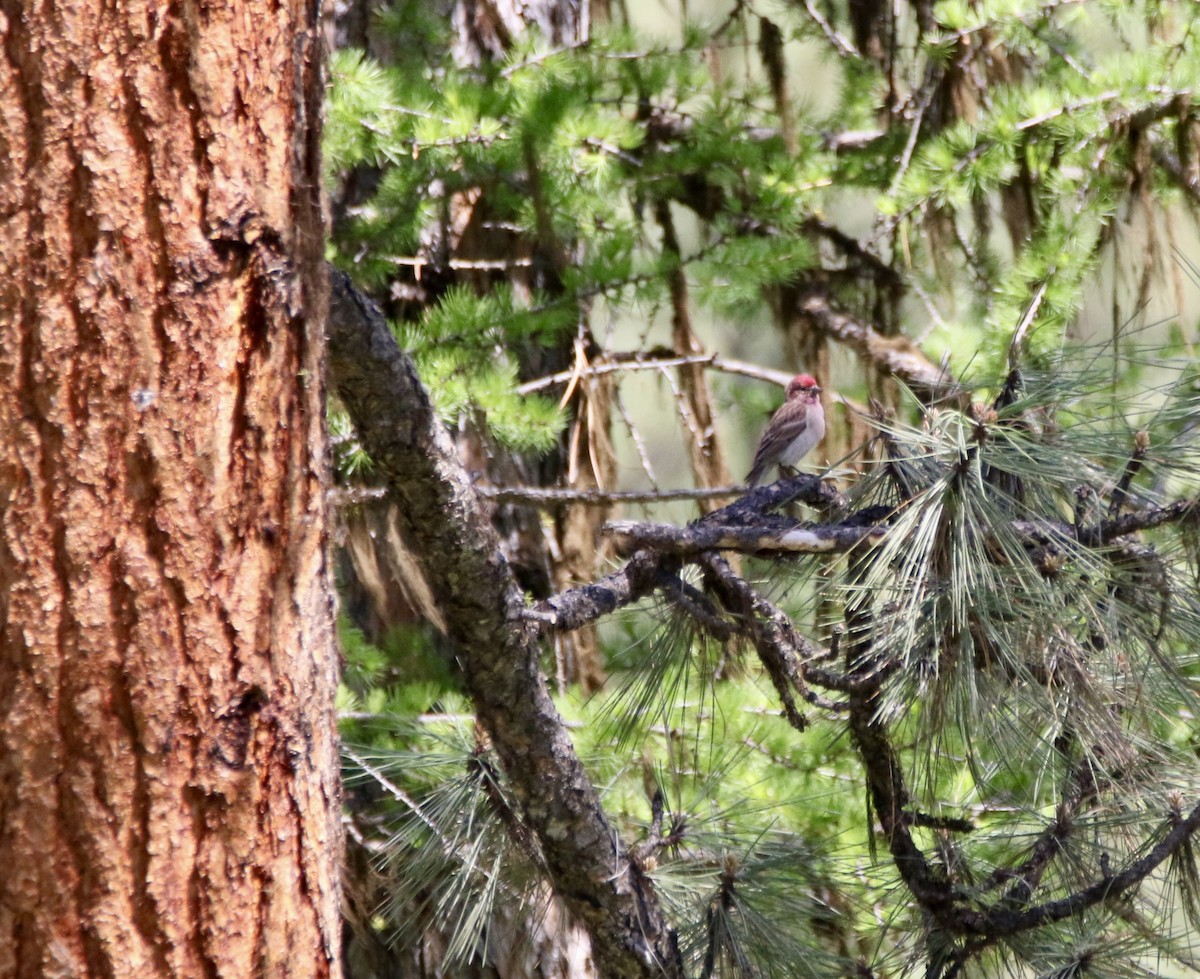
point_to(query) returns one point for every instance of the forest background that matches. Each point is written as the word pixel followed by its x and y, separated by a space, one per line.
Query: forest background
pixel 599 231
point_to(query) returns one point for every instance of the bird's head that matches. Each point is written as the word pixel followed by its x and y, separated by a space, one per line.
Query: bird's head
pixel 802 384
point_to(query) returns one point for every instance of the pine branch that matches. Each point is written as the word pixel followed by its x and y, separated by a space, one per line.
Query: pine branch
pixel 589 866
pixel 1145 519
pixel 1081 788
pixel 890 801
pixel 1109 887
pixel 577 607
pixel 897 356
pixel 786 655
pixel 780 648
pixel 886 790
pixel 772 534
pixel 697 606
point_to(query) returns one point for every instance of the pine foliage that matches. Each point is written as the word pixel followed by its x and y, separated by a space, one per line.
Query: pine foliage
pixel 1033 676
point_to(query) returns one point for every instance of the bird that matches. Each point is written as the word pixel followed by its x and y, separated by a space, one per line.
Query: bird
pixel 793 431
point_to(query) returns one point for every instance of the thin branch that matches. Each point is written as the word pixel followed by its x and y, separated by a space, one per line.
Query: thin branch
pixel 989 23
pixel 628 362
pixel 952 824
pixel 1043 532
pixel 548 498
pixel 887 793
pixel 843 45
pixel 890 800
pixel 694 399
pixel 780 648
pixel 1110 887
pixel 1016 346
pixel 635 436
pixel 928 91
pixel 1118 121
pixel 853 251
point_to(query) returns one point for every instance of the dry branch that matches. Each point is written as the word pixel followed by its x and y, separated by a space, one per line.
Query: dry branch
pixel 894 355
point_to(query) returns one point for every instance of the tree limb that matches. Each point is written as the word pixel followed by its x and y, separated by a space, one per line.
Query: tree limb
pixel 894 355
pixel 783 651
pixel 992 923
pixel 1144 519
pixel 771 534
pixel 589 865
pixel 577 607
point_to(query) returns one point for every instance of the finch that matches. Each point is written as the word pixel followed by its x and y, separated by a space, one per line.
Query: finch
pixel 793 431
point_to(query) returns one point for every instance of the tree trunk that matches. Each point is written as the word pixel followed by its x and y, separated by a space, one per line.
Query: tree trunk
pixel 169 798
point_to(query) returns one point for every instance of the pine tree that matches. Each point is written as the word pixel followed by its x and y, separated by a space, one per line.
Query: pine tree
pixel 943 725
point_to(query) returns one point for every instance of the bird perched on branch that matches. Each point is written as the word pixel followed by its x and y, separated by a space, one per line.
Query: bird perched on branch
pixel 793 431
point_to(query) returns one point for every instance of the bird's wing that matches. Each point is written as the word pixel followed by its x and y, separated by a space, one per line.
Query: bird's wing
pixel 786 425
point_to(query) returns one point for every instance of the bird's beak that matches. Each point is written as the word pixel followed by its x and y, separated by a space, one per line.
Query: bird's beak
pixel 815 389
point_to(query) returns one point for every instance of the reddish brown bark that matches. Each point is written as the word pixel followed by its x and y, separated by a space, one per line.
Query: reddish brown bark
pixel 168 762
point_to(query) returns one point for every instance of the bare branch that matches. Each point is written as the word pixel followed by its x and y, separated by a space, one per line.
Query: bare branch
pixel 549 498
pixel 623 361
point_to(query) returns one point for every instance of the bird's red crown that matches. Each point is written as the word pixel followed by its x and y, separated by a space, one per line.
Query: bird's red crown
pixel 802 382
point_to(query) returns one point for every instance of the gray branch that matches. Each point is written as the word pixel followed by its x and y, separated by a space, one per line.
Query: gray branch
pixel 770 535
pixel 445 524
